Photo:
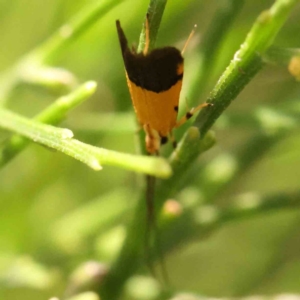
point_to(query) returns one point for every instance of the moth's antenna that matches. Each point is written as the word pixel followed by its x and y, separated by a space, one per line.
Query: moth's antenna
pixel 147 35
pixel 189 38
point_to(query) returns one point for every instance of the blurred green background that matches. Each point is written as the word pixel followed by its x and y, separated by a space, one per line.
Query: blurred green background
pixel 55 213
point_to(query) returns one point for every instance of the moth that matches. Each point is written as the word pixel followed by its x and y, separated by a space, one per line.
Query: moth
pixel 154 79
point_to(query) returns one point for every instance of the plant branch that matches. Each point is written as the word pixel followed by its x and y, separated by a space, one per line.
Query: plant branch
pixel 61 139
pixel 53 114
pixel 246 62
pixel 209 48
pixel 204 220
pixel 37 58
pixel 155 12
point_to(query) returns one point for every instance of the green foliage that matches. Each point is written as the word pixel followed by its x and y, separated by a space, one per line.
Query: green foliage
pixel 228 206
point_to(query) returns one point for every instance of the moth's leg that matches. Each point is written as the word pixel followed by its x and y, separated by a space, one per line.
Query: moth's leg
pixel 190 113
pixel 163 139
pixel 147 35
pixel 152 139
pixel 172 139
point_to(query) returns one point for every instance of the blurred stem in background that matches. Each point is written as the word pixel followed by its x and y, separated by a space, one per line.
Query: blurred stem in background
pixel 208 50
pixel 30 67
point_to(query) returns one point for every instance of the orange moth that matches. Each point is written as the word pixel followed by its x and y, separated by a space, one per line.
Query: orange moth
pixel 154 79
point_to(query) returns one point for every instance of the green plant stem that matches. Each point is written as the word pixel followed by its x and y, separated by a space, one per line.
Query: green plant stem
pixel 61 139
pixel 51 115
pixel 202 221
pixel 181 160
pixel 246 62
pixel 210 45
pixel 57 42
pixel 71 30
pixel 56 80
pixel 155 12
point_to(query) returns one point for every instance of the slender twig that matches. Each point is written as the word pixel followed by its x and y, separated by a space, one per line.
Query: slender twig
pixel 210 45
pixel 246 63
pixel 155 12
pixel 203 220
pixel 61 139
pixel 43 54
pixel 51 115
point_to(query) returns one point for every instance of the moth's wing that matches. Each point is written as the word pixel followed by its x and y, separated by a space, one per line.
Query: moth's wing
pixel 155 83
pixel 158 110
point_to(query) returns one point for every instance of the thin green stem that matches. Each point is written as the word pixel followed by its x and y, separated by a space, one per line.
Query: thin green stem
pixel 56 80
pixel 61 140
pixel 57 42
pixel 51 115
pixel 203 220
pixel 182 159
pixel 209 48
pixel 155 12
pixel 71 30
